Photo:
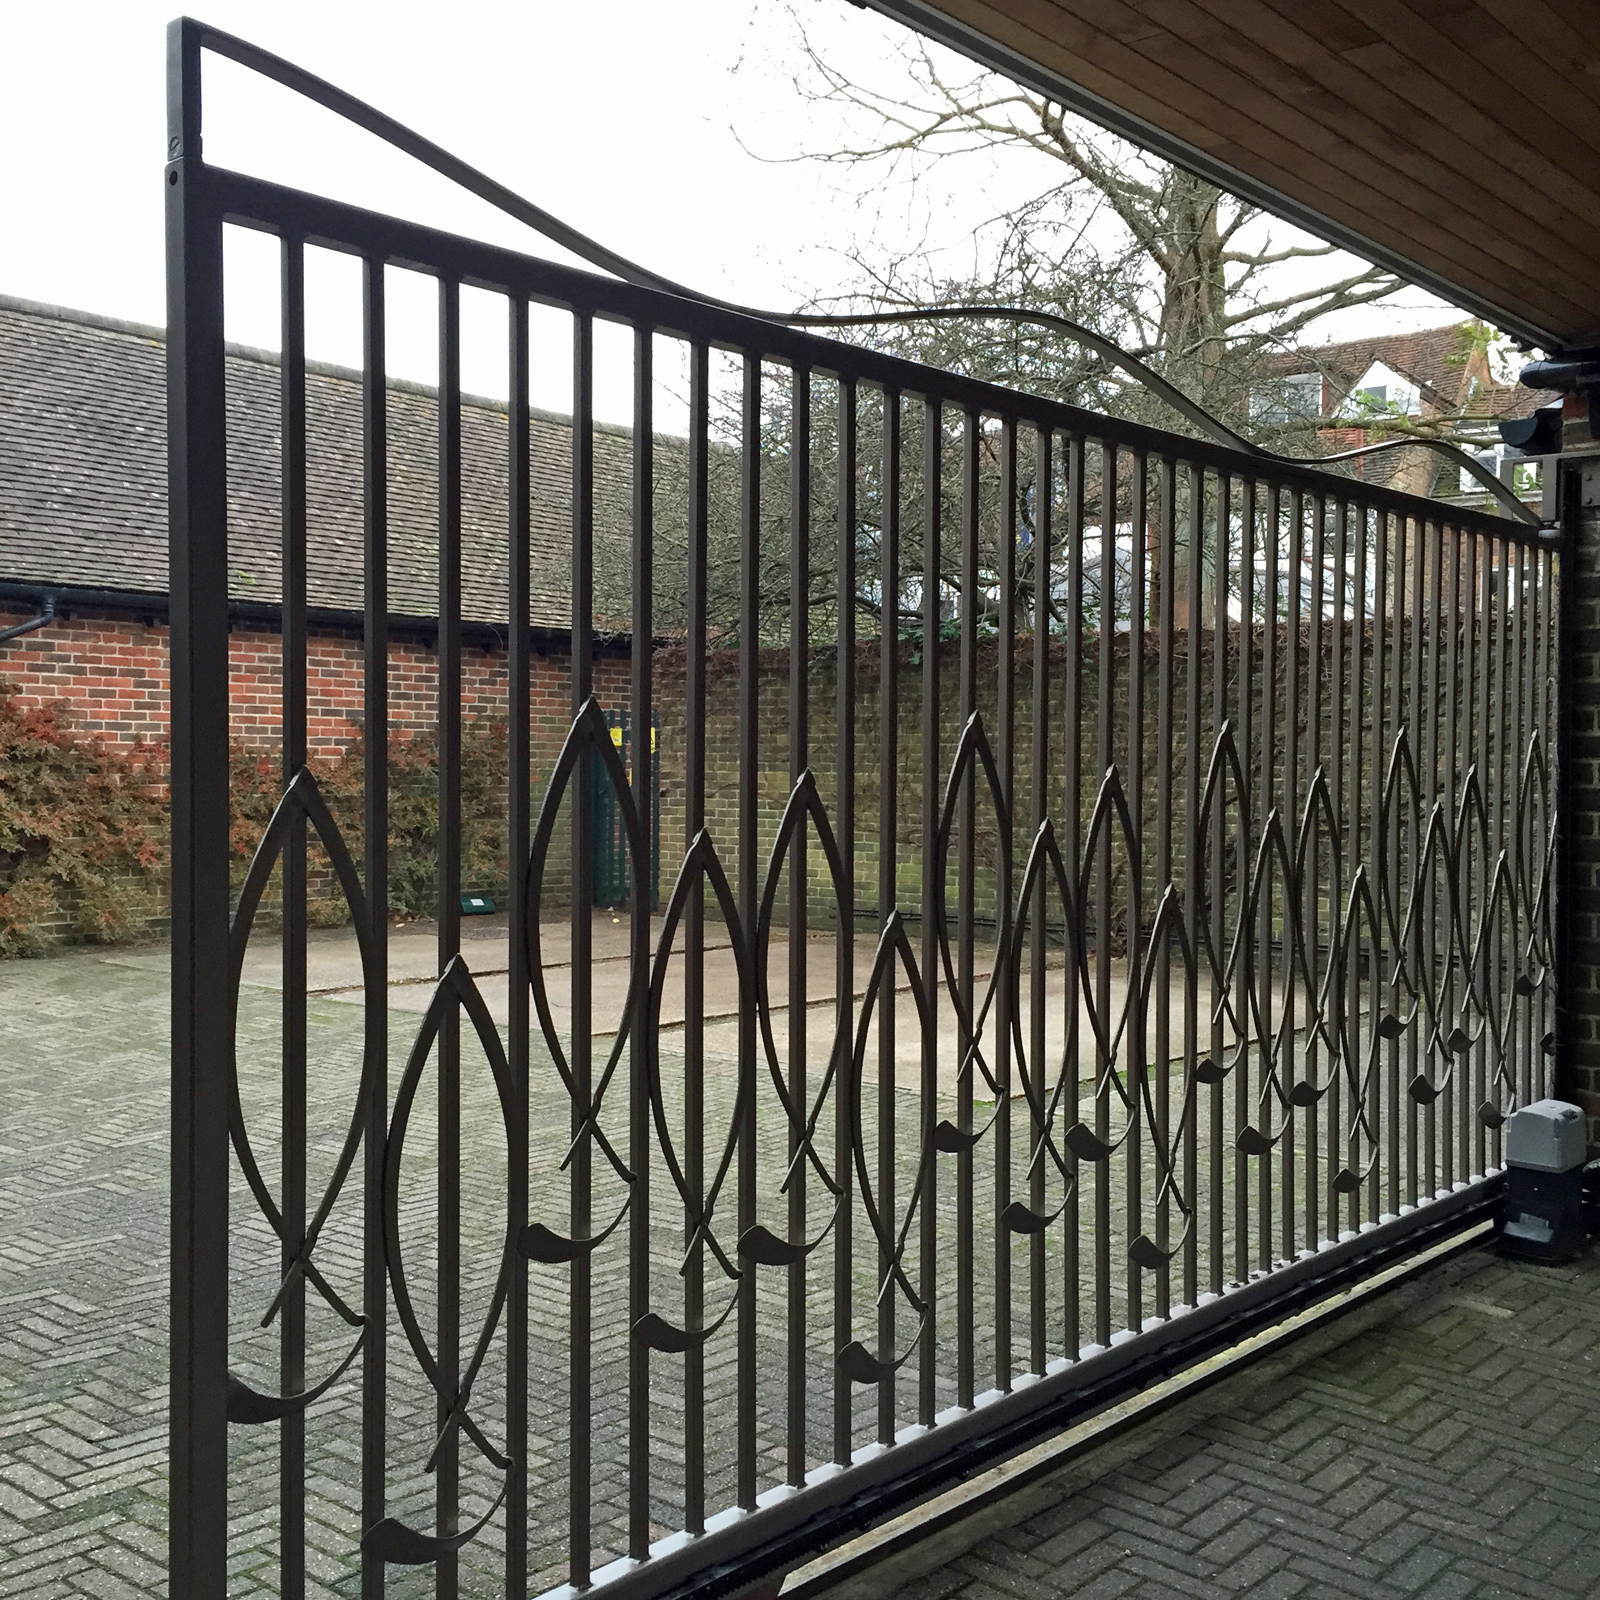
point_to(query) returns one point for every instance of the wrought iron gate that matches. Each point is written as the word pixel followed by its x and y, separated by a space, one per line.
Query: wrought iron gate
pixel 1124 908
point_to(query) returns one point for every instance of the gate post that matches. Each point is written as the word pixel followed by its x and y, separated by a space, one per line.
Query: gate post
pixel 201 1021
pixel 1578 976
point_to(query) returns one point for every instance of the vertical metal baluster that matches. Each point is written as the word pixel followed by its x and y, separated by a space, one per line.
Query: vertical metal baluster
pixel 1138 1034
pixel 639 1122
pixel 749 898
pixel 928 1244
pixel 1264 1110
pixel 1005 758
pixel 1043 504
pixel 1522 698
pixel 580 1417
pixel 1419 714
pixel 1400 829
pixel 519 760
pixel 1383 624
pixel 967 882
pixel 197 1535
pixel 1293 902
pixel 1246 868
pixel 845 808
pixel 1345 844
pixel 698 574
pixel 1506 792
pixel 1478 756
pixel 1105 756
pixel 1504 762
pixel 518 825
pixel 1074 818
pixel 1340 1154
pixel 1194 668
pixel 375 831
pixel 1544 681
pixel 799 882
pixel 292 1330
pixel 1501 978
pixel 1445 924
pixel 447 1504
pixel 1431 797
pixel 888 873
pixel 1104 1064
pixel 1311 912
pixel 1488 722
pixel 1166 740
pixel 1215 1159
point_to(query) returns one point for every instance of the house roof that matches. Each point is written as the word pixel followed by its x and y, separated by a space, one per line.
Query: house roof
pixel 1437 360
pixel 83 476
pixel 1453 141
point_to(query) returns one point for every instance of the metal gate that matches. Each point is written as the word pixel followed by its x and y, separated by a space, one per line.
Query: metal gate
pixel 1110 903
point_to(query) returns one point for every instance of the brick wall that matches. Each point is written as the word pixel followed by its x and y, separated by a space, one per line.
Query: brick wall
pixel 112 675
pixel 723 730
pixel 111 672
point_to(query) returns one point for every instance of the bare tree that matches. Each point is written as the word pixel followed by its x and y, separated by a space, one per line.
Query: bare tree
pixel 1183 275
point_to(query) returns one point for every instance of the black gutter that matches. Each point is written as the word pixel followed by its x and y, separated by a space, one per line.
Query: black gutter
pixel 47 615
pixel 139 602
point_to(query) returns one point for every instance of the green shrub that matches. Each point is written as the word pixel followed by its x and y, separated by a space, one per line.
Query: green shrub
pixel 256 783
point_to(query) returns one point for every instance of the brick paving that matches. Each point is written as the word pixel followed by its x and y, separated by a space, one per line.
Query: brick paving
pixel 1443 1443
pixel 83 1234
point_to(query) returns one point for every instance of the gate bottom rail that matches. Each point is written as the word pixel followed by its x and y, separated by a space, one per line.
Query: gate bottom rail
pixel 739 1550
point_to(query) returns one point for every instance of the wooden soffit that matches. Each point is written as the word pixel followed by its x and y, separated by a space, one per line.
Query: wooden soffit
pixel 1456 142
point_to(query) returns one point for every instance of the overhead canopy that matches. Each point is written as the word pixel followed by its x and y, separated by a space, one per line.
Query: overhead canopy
pixel 1456 142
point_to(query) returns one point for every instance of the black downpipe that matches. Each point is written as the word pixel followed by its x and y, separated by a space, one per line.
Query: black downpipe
pixel 47 615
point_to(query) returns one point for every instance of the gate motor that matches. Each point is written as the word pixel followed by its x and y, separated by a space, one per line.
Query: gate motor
pixel 1541 1217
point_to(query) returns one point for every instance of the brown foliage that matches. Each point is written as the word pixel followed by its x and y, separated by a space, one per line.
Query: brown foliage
pixel 82 829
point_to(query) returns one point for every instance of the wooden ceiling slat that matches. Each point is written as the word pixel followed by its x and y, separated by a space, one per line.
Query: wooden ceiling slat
pixel 1521 175
pixel 1505 59
pixel 1358 176
pixel 1567 46
pixel 1192 69
pixel 1435 56
pixel 1379 121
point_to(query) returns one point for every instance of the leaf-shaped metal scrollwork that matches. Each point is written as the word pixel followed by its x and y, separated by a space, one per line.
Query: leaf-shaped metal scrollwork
pixel 973 754
pixel 702 861
pixel 855 1362
pixel 302 798
pixel 390 1539
pixel 759 1243
pixel 589 732
pixel 1045 868
pixel 1111 1079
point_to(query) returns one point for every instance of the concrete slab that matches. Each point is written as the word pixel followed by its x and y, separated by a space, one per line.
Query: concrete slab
pixel 334 973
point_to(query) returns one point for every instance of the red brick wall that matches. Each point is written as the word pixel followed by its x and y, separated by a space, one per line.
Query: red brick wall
pixel 112 674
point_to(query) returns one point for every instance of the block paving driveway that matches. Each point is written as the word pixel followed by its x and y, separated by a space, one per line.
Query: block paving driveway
pixel 1444 1441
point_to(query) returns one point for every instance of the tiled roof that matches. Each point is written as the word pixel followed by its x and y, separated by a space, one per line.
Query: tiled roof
pixel 1432 358
pixel 83 475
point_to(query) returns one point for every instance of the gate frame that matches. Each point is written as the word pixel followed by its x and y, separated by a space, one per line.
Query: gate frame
pixel 793 1524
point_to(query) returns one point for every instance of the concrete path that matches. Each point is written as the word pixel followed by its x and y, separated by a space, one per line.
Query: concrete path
pixel 334 973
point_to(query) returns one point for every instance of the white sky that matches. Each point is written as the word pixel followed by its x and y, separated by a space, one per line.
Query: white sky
pixel 632 122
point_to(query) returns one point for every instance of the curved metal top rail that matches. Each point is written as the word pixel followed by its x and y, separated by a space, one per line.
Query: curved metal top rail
pixel 187 37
